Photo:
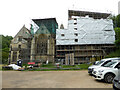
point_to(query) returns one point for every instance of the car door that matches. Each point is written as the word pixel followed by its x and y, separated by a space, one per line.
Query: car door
pixel 117 69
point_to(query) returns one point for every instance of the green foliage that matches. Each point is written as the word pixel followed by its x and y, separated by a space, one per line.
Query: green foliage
pixel 114 54
pixel 84 66
pixel 68 66
pixel 48 65
pixel 116 20
pixel 81 66
pixel 6 41
pixel 5 57
pixel 5 47
pixel 117 41
pixel 52 67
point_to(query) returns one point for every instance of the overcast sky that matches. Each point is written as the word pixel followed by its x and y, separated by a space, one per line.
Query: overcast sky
pixel 15 13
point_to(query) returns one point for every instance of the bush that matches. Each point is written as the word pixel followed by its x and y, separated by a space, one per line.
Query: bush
pixel 114 54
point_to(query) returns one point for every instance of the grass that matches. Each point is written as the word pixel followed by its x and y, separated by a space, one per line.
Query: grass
pixel 54 70
pixel 52 67
pixel 84 66
pixel 0 67
pixel 81 66
pixel 48 66
pixel 68 66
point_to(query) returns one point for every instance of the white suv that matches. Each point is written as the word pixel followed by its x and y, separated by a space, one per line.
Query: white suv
pixel 107 72
pixel 100 63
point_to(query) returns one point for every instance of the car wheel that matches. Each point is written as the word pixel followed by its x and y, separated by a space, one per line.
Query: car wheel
pixel 109 78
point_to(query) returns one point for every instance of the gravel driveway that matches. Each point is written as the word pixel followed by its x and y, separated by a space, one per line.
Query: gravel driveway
pixel 50 79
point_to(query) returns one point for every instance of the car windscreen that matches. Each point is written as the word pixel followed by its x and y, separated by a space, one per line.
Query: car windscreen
pixel 110 64
pixel 105 62
pixel 99 62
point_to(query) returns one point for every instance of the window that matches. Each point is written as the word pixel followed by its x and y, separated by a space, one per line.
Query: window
pixel 14 56
pixel 11 48
pixel 75 34
pixel 42 48
pixel 118 65
pixel 76 40
pixel 108 30
pixel 42 28
pixel 19 46
pixel 62 34
pixel 75 28
pixel 75 18
pixel 75 23
pixel 20 38
pixel 82 47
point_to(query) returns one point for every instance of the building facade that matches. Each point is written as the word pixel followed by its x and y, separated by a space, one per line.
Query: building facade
pixel 35 47
pixel 20 46
pixel 90 36
pixel 43 43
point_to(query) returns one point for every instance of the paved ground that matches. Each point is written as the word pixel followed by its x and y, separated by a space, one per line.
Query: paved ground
pixel 50 79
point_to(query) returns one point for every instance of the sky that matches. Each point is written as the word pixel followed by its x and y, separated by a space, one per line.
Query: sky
pixel 16 13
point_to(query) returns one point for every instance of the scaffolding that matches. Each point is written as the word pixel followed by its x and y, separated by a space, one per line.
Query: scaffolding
pixel 90 36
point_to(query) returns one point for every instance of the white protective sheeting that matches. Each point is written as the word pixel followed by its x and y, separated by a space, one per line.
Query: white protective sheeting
pixel 89 31
pixel 14 66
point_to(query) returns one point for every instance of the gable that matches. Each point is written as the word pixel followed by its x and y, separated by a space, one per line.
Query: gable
pixel 42 30
pixel 49 23
pixel 22 34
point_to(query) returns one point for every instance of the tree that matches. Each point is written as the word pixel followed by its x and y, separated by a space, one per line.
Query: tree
pixel 118 20
pixel 114 21
pixel 5 47
pixel 117 37
pixel 116 24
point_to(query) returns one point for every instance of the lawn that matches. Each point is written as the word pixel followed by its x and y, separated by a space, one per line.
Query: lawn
pixel 48 66
pixel 81 66
pixel 0 67
pixel 52 67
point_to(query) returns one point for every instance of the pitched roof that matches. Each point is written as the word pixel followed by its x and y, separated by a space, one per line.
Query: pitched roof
pixel 23 32
pixel 38 21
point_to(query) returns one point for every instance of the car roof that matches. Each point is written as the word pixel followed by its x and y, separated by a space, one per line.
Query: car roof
pixel 110 59
pixel 115 60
